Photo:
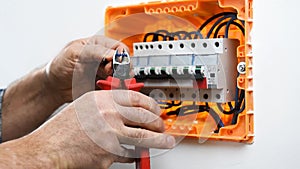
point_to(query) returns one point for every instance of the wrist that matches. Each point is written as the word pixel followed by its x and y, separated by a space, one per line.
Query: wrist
pixel 16 154
pixel 50 86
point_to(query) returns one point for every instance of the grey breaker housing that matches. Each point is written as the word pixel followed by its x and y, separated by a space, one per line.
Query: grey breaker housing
pixel 170 69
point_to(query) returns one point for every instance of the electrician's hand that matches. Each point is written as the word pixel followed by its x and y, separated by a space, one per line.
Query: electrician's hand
pixel 89 132
pixel 77 65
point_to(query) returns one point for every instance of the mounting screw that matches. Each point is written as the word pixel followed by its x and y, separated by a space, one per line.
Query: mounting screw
pixel 241 68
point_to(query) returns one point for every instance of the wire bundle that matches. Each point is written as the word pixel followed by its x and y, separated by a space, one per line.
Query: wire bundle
pixel 193 109
pixel 170 36
pixel 184 110
pixel 238 108
pixel 224 19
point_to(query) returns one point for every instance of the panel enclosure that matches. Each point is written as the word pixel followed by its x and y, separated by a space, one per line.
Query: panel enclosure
pixel 216 79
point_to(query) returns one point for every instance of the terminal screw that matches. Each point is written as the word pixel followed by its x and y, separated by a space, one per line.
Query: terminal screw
pixel 241 68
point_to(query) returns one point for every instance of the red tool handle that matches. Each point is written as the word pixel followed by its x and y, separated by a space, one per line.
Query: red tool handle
pixel 143 162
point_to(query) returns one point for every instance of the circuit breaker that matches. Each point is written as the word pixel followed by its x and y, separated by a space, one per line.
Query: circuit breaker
pixel 195 58
pixel 204 70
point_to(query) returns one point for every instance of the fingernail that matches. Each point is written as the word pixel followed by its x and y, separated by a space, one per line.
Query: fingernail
pixel 171 141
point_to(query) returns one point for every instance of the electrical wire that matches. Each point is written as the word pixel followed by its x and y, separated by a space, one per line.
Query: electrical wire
pixel 213 18
pixel 224 23
pixel 183 35
pixel 179 33
pixel 217 118
pixel 228 26
pixel 236 114
pixel 196 35
pixel 231 111
pixel 155 36
pixel 167 105
pixel 230 105
pixel 194 109
pixel 217 23
pixel 165 35
pixel 237 109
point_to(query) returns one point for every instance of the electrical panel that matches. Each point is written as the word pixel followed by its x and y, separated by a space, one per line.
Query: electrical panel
pixel 195 58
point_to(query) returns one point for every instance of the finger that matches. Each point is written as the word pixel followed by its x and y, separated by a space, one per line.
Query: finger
pixel 105 70
pixel 134 99
pixel 108 68
pixel 145 138
pixel 143 118
pixel 127 156
pixel 96 53
pixel 109 43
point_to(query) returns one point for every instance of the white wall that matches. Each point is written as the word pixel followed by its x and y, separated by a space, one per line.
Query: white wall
pixel 33 31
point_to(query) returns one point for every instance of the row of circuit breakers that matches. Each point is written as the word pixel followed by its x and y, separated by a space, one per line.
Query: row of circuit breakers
pixel 199 70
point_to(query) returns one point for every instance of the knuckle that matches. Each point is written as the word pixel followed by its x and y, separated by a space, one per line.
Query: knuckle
pixel 159 124
pixel 106 162
pixel 72 50
pixel 154 106
pixel 135 98
pixel 108 113
pixel 141 133
pixel 143 116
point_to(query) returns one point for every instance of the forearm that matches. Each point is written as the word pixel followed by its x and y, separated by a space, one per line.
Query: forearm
pixel 27 103
pixel 15 154
pixel 56 144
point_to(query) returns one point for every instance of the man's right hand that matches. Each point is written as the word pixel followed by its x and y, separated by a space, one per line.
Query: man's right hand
pixel 89 133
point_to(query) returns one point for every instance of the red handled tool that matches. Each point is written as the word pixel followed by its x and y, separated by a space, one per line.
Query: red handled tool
pixel 122 80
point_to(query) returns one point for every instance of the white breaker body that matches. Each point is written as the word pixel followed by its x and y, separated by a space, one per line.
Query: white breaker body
pixel 192 70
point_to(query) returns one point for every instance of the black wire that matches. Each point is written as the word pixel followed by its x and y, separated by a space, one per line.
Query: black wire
pixel 196 33
pixel 228 26
pixel 231 111
pixel 194 109
pixel 188 35
pixel 239 26
pixel 217 23
pixel 237 108
pixel 216 117
pixel 167 105
pixel 236 114
pixel 179 33
pixel 219 28
pixel 167 35
pixel 241 102
pixel 213 18
pixel 233 23
pixel 230 105
pixel 183 111
pixel 240 99
pixel 155 36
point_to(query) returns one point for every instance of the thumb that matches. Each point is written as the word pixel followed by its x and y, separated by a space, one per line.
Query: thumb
pixel 96 53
